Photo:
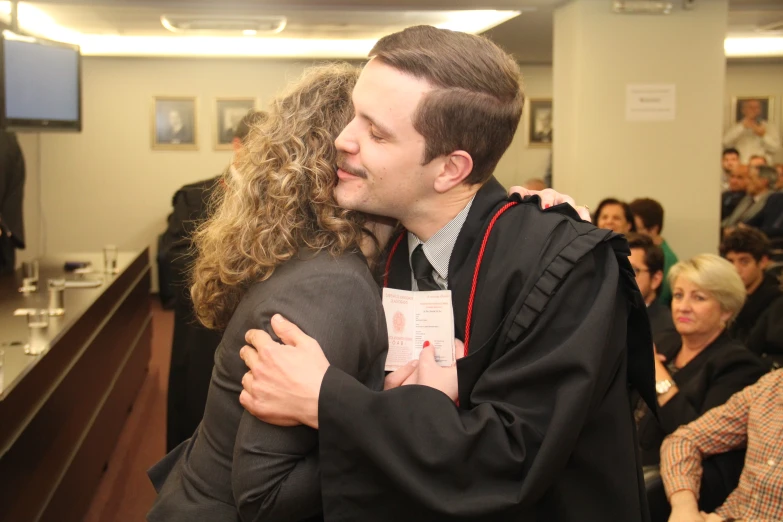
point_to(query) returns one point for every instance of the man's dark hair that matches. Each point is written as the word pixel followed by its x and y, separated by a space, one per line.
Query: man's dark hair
pixel 476 101
pixel 653 254
pixel 649 211
pixel 746 241
pixel 626 210
pixel 730 150
pixel 253 117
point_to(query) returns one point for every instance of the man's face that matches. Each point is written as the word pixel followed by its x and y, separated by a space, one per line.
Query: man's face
pixel 175 120
pixel 730 162
pixel 648 283
pixel 779 184
pixel 380 153
pixel 756 184
pixel 738 180
pixel 749 270
pixel 751 109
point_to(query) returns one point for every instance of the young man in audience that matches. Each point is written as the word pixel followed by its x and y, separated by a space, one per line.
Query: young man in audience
pixel 751 418
pixel 738 184
pixel 761 179
pixel 748 249
pixel 648 217
pixel 753 135
pixel 729 162
pixel 647 260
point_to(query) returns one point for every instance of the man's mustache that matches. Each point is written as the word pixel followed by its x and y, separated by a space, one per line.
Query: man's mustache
pixel 342 164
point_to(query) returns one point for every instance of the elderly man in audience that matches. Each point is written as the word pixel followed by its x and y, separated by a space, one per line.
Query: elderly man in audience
pixel 751 418
pixel 708 366
pixel 748 250
pixel 738 184
pixel 729 162
pixel 647 260
pixel 770 219
pixel 760 182
pixel 615 215
pixel 648 217
pixel 752 135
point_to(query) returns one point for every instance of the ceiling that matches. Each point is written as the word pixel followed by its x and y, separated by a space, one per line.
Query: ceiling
pixel 528 36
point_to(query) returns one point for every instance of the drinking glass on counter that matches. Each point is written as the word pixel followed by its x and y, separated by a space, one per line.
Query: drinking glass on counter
pixel 38 323
pixel 110 259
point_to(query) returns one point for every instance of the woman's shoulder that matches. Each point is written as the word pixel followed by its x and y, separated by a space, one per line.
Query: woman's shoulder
pixel 728 353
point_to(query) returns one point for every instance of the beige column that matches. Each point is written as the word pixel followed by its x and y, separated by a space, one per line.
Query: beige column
pixel 638 112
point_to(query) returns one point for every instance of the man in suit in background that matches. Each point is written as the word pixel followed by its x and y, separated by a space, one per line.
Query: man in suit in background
pixel 737 185
pixel 12 178
pixel 760 182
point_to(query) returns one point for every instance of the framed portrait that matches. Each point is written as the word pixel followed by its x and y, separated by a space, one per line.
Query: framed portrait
pixel 174 123
pixel 228 113
pixel 761 108
pixel 539 122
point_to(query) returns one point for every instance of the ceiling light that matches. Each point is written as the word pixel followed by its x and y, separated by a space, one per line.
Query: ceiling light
pixel 211 25
pixel 249 32
pixel 746 47
pixel 476 21
pixel 642 7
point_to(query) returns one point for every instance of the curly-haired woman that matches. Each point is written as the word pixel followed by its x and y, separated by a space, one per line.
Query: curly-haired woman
pixel 276 243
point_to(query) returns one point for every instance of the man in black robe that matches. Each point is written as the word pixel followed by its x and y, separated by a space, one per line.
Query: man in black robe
pixel 12 177
pixel 542 429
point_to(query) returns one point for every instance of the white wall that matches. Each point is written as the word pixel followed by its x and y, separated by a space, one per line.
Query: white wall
pixel 105 184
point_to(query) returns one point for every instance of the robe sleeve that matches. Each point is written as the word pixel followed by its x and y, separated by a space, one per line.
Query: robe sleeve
pixel 506 451
pixel 275 469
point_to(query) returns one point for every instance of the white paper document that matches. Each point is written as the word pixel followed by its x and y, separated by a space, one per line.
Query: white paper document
pixel 415 317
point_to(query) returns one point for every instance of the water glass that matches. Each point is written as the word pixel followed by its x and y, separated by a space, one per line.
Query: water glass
pixel 38 323
pixel 30 271
pixel 56 296
pixel 110 259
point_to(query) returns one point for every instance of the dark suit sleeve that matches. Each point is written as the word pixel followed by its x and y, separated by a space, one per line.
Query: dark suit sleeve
pixel 757 340
pixel 11 216
pixel 503 453
pixel 275 472
pixel 732 376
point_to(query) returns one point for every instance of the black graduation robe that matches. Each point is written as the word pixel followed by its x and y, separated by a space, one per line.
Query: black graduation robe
pixel 12 179
pixel 544 431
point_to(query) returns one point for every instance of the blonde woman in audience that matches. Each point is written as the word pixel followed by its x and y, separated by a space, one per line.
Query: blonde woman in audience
pixel 708 367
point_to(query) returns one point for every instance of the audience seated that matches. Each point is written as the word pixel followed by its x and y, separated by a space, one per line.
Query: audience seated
pixel 708 366
pixel 748 250
pixel 766 339
pixel 751 418
pixel 729 162
pixel 779 169
pixel 648 217
pixel 615 215
pixel 647 260
pixel 760 180
pixel 738 184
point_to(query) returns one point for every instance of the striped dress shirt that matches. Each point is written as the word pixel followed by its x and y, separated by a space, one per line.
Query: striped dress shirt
pixel 751 418
pixel 438 248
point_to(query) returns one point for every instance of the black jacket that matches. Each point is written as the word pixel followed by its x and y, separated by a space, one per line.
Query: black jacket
pixel 665 336
pixel 544 430
pixel 754 307
pixel 12 178
pixel 766 339
pixel 721 370
pixel 770 219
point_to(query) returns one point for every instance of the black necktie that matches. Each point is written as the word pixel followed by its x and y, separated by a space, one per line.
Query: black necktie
pixel 422 270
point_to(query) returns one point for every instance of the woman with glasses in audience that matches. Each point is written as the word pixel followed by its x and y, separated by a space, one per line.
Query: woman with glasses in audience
pixel 615 215
pixel 708 367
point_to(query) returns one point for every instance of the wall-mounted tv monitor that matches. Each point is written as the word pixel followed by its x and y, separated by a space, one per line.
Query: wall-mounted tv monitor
pixel 40 84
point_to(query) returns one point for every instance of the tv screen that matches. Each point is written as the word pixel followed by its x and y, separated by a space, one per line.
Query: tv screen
pixel 41 84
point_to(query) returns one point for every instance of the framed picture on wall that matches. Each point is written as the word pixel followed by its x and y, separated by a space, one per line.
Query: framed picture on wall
pixel 760 108
pixel 539 122
pixel 174 123
pixel 228 113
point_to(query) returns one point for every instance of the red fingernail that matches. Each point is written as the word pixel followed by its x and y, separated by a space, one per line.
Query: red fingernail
pixel 547 206
pixel 426 344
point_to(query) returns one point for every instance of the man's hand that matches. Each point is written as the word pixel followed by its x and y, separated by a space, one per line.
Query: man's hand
pixel 284 381
pixel 685 508
pixel 712 517
pixel 550 198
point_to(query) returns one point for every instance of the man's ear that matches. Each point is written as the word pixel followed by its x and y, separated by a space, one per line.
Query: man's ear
pixel 763 262
pixel 456 167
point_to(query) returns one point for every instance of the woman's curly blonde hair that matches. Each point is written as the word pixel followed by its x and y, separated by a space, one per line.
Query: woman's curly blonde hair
pixel 282 198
